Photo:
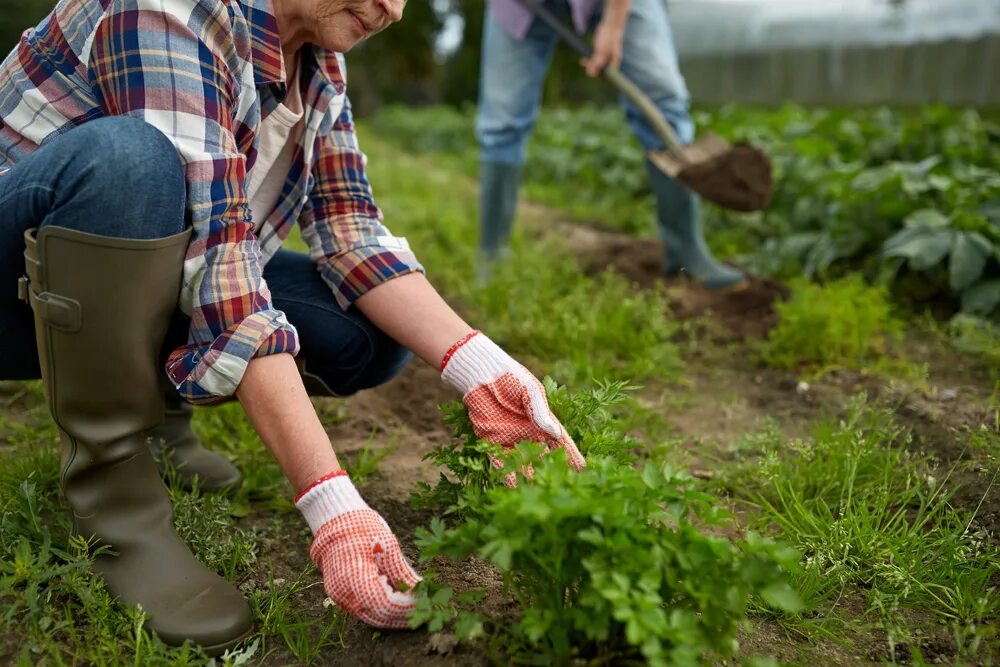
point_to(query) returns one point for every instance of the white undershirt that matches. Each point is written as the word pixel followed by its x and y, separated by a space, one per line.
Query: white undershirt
pixel 278 133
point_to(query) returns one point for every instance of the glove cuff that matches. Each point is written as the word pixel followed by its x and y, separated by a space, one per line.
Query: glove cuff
pixel 327 498
pixel 474 361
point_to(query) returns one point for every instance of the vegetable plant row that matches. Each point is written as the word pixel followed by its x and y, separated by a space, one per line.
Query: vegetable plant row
pixel 910 197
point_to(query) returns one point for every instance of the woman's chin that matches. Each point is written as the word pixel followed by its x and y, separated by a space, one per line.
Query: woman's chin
pixel 342 42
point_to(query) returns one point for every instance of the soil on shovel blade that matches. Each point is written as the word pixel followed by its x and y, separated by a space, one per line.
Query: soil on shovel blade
pixel 739 179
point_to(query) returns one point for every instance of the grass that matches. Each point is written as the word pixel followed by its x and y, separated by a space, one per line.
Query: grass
pixel 875 522
pixel 280 616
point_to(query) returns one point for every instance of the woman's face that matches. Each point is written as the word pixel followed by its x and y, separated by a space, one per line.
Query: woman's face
pixel 340 24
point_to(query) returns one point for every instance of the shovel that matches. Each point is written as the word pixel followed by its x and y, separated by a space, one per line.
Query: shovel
pixel 737 176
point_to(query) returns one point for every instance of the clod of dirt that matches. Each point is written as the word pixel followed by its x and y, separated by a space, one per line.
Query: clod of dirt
pixel 901 652
pixel 441 643
pixel 743 314
pixel 739 179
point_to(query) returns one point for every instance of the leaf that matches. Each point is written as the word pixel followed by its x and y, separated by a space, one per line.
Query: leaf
pixel 927 217
pixel 468 626
pixel 991 210
pixel 783 597
pixel 982 298
pixel 922 246
pixel 968 258
pixel 871 179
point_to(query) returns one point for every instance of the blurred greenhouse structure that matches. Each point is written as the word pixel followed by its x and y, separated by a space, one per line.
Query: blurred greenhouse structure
pixel 840 51
pixel 814 52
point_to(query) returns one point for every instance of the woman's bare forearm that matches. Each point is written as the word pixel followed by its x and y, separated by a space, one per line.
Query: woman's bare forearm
pixel 412 312
pixel 276 402
pixel 408 309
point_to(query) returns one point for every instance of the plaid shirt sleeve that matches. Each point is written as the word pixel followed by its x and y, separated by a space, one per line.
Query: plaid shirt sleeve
pixel 354 251
pixel 177 66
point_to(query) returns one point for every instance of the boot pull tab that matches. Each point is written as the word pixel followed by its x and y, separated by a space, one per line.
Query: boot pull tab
pixel 58 311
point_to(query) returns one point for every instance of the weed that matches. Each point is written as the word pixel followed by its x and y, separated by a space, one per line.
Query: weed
pixel 437 606
pixel 205 523
pixel 305 638
pixel 609 562
pixel 978 337
pixel 226 429
pixel 364 464
pixel 589 417
pixel 844 323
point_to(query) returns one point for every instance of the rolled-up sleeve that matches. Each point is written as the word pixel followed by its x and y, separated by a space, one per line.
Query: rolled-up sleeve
pixel 176 66
pixel 352 248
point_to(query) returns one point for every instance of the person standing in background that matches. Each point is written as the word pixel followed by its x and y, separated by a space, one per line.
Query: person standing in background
pixel 631 34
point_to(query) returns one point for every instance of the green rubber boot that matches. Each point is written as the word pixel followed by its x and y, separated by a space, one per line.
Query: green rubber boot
pixel 498 186
pixel 684 248
pixel 101 310
pixel 176 447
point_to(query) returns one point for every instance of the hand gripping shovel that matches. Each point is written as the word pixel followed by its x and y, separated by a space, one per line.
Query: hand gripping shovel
pixel 736 176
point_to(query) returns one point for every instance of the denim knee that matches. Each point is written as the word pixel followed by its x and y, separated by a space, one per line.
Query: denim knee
pixel 128 176
pixel 385 359
pixel 375 359
pixel 388 361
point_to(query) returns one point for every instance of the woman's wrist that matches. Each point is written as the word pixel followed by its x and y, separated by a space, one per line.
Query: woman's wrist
pixel 616 14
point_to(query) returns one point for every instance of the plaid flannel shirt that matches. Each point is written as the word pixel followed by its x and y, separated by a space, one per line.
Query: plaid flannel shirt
pixel 204 72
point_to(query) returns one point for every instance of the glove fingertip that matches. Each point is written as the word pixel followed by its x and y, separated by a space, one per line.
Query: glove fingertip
pixel 403 571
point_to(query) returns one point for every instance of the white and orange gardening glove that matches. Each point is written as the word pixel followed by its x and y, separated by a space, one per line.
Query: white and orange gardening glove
pixel 506 402
pixel 362 565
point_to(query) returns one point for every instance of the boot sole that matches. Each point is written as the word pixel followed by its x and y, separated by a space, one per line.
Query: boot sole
pixel 215 650
pixel 736 288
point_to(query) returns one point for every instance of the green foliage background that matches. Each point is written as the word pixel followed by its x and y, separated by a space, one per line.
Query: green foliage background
pixel 16 16
pixel 906 197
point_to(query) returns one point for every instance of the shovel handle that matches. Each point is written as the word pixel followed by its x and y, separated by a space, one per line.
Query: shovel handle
pixel 641 100
pixel 613 75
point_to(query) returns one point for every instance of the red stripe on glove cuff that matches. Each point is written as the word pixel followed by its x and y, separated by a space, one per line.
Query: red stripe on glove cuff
pixel 328 476
pixel 454 348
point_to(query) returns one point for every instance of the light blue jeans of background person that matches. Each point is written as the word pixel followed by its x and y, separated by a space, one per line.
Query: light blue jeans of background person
pixel 513 73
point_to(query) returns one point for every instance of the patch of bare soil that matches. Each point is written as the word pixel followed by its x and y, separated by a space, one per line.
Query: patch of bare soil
pixel 637 259
pixel 741 314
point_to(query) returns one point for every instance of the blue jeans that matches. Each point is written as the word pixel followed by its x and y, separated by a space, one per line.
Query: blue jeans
pixel 121 177
pixel 510 84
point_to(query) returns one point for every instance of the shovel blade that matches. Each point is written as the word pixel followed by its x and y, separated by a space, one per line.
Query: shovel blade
pixel 705 149
pixel 737 177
